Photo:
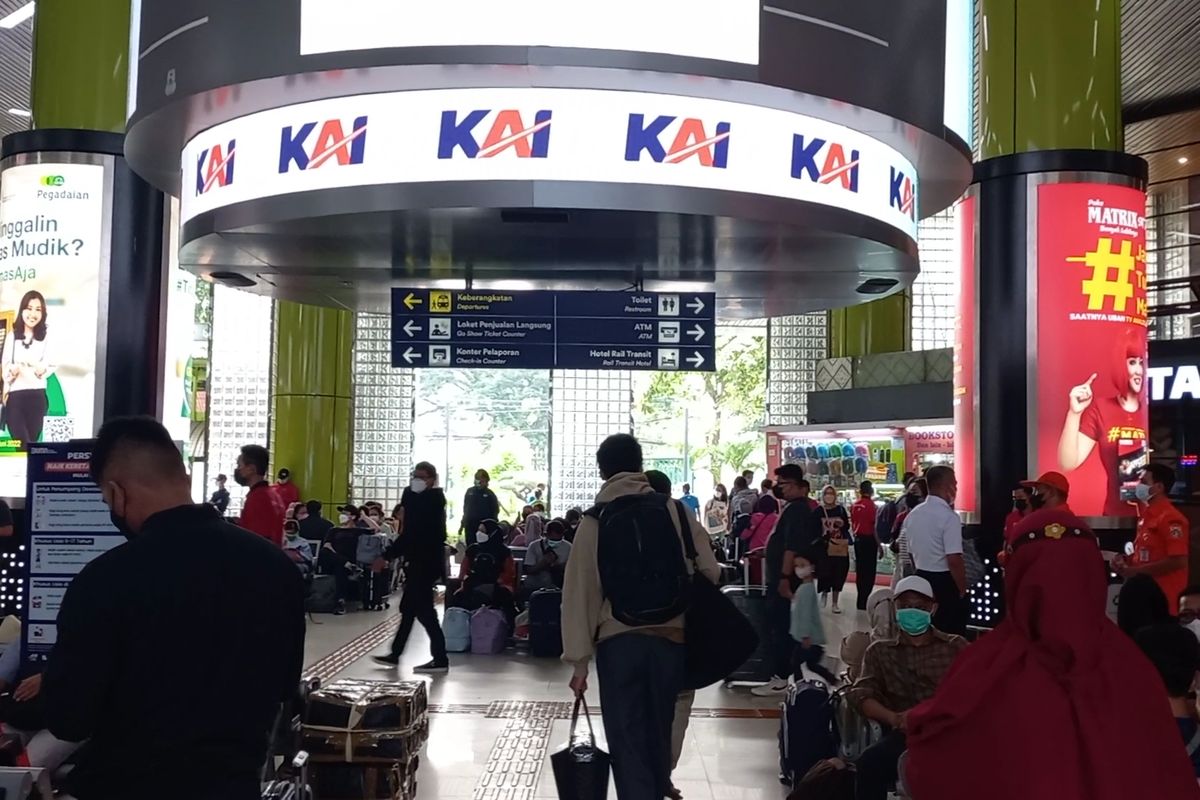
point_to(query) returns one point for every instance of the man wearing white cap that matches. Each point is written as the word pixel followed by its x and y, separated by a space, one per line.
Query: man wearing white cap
pixel 898 674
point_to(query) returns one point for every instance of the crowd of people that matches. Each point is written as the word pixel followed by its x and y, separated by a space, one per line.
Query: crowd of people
pixel 1056 681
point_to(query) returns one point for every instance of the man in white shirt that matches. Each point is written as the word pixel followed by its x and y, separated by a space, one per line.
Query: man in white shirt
pixel 935 543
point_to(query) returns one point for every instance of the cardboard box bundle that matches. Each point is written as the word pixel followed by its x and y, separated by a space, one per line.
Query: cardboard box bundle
pixel 363 739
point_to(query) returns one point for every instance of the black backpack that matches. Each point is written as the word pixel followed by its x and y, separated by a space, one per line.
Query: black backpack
pixel 885 520
pixel 642 569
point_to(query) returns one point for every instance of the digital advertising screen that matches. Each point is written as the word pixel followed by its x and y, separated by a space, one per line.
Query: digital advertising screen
pixel 722 30
pixel 1091 359
pixel 51 250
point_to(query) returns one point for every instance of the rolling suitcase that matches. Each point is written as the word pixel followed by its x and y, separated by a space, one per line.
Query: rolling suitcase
pixel 545 623
pixel 295 789
pixel 751 600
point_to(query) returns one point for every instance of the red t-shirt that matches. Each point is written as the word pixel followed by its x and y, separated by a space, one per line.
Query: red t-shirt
pixel 263 513
pixel 1162 532
pixel 288 493
pixel 862 517
pixel 1012 520
pixel 1121 440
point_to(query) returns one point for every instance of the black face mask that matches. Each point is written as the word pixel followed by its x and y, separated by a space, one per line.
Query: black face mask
pixel 238 479
pixel 120 524
pixel 1020 505
pixel 777 491
pixel 1037 501
pixel 914 499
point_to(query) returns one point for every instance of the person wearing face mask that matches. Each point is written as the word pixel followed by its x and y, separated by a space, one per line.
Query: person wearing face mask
pixel 806 628
pixel 488 575
pixel 1189 609
pixel 263 509
pixel 1020 508
pixel 1161 547
pixel 422 545
pixel 186 639
pixel 716 512
pixel 297 548
pixel 897 675
pixel 546 559
pixel 1048 497
pixel 835 534
pixel 479 503
pixel 338 553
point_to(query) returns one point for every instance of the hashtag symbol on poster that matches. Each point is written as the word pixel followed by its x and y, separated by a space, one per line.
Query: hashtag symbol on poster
pixel 1103 261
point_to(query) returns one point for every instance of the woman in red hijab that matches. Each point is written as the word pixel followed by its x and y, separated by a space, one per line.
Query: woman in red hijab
pixel 1055 703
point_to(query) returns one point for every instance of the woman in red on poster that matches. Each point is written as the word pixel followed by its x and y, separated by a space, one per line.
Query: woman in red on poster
pixel 1114 425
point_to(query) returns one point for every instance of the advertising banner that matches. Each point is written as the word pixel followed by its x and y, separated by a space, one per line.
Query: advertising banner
pixel 51 252
pixel 539 134
pixel 1092 406
pixel 69 525
pixel 964 362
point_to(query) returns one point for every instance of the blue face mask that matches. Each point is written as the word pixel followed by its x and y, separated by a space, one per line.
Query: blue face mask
pixel 913 621
pixel 1142 492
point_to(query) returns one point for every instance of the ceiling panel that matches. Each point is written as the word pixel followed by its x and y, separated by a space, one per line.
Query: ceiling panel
pixel 15 50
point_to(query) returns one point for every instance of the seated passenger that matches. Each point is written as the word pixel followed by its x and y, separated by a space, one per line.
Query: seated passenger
pixel 488 575
pixel 881 611
pixel 1075 708
pixel 1140 604
pixel 573 518
pixel 297 548
pixel 1175 653
pixel 1189 609
pixel 546 559
pixel 897 674
pixel 338 556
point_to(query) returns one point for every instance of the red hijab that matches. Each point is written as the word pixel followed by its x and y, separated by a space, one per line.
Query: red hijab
pixel 1055 704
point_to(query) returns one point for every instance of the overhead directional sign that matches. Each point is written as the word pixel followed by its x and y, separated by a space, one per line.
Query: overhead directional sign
pixel 554 330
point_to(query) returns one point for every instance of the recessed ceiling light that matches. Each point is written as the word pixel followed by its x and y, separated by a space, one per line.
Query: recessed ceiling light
pixel 17 17
pixel 20 112
pixel 1183 159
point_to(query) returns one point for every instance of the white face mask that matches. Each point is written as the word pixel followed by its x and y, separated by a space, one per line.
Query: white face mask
pixel 1194 627
pixel 482 537
pixel 343 518
pixel 803 572
pixel 418 485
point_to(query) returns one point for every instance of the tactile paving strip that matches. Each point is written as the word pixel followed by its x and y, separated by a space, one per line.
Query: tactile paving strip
pixel 329 666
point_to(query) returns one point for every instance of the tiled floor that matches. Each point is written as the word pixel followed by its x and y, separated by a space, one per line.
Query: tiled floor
pixel 723 759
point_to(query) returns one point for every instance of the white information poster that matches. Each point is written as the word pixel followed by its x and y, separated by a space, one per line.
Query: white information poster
pixel 722 30
pixel 51 252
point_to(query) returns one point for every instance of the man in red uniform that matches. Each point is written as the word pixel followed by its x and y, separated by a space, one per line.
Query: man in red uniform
pixel 1111 425
pixel 263 510
pixel 867 549
pixel 1051 516
pixel 1020 509
pixel 286 490
pixel 1161 547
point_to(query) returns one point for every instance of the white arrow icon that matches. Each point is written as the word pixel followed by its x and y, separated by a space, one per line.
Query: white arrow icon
pixel 696 305
pixel 696 333
pixel 411 301
pixel 696 360
pixel 411 328
pixel 410 354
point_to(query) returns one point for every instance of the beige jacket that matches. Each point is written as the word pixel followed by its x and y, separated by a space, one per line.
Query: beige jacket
pixel 586 616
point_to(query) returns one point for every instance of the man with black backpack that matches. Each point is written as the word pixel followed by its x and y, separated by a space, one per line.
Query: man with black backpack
pixel 624 598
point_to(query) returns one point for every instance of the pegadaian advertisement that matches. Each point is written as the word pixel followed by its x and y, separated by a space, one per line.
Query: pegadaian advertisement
pixel 51 226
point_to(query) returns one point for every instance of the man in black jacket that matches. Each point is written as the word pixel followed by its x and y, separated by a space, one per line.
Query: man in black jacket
pixel 479 503
pixel 175 649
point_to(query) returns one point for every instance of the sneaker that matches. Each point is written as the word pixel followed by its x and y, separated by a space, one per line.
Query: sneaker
pixel 340 610
pixel 771 688
pixel 837 609
pixel 388 660
pixel 433 667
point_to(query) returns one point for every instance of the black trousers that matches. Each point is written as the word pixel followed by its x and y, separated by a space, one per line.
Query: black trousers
pixel 876 768
pixel 812 657
pixel 27 414
pixel 779 622
pixel 416 605
pixel 866 561
pixel 640 675
pixel 951 615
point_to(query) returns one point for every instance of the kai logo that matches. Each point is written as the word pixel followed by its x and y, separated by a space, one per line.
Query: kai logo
pixel 822 161
pixel 691 140
pixel 332 142
pixel 214 167
pixel 903 196
pixel 53 180
pixel 508 131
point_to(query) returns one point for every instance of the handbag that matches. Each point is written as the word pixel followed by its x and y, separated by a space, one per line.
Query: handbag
pixel 717 636
pixel 581 768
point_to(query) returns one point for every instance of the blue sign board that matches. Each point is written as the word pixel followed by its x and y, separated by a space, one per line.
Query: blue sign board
pixel 69 525
pixel 445 328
